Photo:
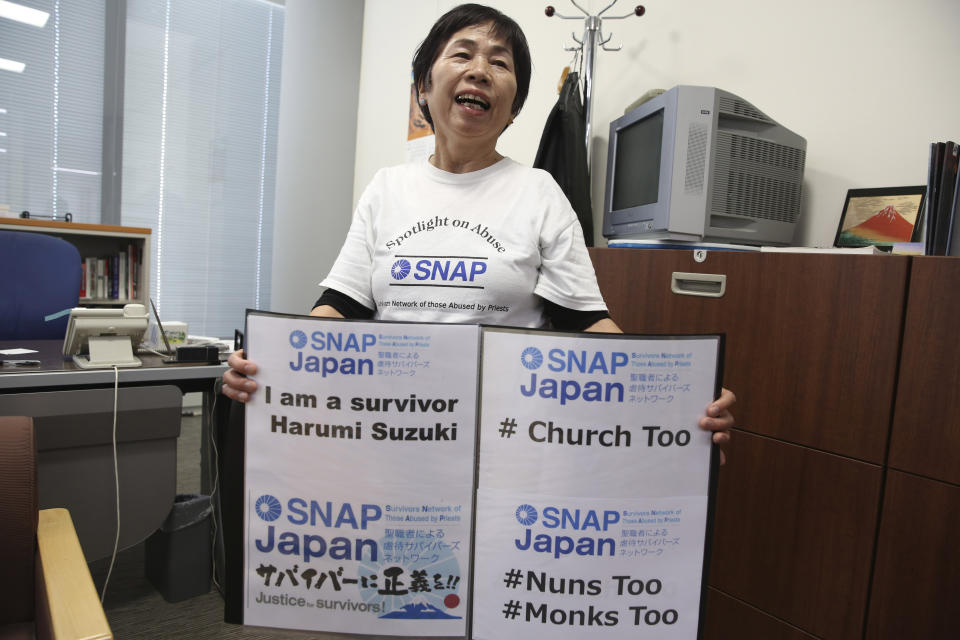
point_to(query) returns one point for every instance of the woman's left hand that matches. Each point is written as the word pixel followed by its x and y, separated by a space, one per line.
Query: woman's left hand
pixel 719 419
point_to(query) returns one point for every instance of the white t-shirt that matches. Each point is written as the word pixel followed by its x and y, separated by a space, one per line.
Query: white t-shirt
pixel 426 245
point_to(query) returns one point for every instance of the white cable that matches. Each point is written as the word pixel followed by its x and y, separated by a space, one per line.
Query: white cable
pixel 216 481
pixel 116 481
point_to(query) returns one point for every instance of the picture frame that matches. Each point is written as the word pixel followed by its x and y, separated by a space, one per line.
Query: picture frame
pixel 881 217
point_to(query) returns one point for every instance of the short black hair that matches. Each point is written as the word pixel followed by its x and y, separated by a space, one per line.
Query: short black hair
pixel 470 15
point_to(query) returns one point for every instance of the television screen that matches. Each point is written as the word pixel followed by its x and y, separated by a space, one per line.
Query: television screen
pixel 699 164
pixel 638 151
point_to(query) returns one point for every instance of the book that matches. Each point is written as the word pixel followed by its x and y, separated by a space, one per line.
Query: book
pixel 89 277
pixel 865 250
pixel 101 279
pixel 639 243
pixel 135 259
pixel 907 248
pixel 130 260
pixel 952 244
pixel 943 183
pixel 933 187
pixel 122 292
pixel 114 276
pixel 945 191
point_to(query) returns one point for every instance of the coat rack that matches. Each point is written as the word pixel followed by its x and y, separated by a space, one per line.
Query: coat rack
pixel 593 38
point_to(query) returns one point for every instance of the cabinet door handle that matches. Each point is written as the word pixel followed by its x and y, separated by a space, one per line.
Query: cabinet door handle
pixel 708 285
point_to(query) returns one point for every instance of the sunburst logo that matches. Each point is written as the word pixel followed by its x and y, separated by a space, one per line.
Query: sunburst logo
pixel 531 358
pixel 298 339
pixel 400 269
pixel 267 507
pixel 526 515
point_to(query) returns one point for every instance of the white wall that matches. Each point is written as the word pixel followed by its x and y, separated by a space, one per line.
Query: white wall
pixel 868 83
pixel 316 139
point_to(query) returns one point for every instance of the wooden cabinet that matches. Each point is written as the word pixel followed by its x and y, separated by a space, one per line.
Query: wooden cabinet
pixel 926 425
pixel 812 339
pixel 728 618
pixel 917 574
pixel 825 336
pixel 917 577
pixel 637 286
pixel 793 534
pixel 835 513
pixel 96 241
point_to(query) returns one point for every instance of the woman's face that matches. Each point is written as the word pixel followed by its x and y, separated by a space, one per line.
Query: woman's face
pixel 472 85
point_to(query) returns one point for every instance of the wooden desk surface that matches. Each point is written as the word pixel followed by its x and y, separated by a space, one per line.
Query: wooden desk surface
pixel 55 371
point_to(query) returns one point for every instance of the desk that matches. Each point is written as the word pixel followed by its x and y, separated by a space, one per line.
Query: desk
pixel 73 410
pixel 55 372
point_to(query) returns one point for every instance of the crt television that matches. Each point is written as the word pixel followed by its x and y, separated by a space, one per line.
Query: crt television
pixel 105 337
pixel 699 164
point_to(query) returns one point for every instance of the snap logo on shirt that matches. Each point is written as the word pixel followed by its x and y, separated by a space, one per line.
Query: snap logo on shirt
pixel 400 269
pixel 438 271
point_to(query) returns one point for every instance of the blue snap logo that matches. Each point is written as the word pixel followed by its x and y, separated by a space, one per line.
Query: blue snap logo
pixel 526 515
pixel 531 358
pixel 298 339
pixel 400 269
pixel 267 507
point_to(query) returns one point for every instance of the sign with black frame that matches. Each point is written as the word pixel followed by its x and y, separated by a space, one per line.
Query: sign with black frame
pixel 437 480
pixel 881 217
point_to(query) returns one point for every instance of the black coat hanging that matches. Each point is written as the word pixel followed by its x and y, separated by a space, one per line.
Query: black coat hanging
pixel 563 153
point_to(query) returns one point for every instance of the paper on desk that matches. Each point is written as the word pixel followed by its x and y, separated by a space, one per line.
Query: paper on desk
pixel 223 344
pixel 869 249
pixel 16 352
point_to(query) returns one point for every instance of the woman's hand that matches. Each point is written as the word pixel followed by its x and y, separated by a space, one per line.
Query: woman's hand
pixel 719 419
pixel 236 385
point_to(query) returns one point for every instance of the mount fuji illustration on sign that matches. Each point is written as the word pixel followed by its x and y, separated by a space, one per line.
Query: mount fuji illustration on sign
pixel 886 226
pixel 418 611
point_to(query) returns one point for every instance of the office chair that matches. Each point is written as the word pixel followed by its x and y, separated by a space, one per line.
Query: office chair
pixel 46 591
pixel 41 278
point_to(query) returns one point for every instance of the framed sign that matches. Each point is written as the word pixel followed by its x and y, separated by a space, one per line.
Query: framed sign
pixel 881 217
pixel 594 485
pixel 358 476
pixel 457 481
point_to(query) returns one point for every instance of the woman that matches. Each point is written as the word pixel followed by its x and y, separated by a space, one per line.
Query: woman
pixel 469 236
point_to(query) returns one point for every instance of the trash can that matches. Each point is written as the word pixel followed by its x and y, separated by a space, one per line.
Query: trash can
pixel 178 556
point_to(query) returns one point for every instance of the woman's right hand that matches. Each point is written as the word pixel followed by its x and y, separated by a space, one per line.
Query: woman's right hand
pixel 236 385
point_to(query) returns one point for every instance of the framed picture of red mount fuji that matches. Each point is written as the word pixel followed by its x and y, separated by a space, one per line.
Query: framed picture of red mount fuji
pixel 881 217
